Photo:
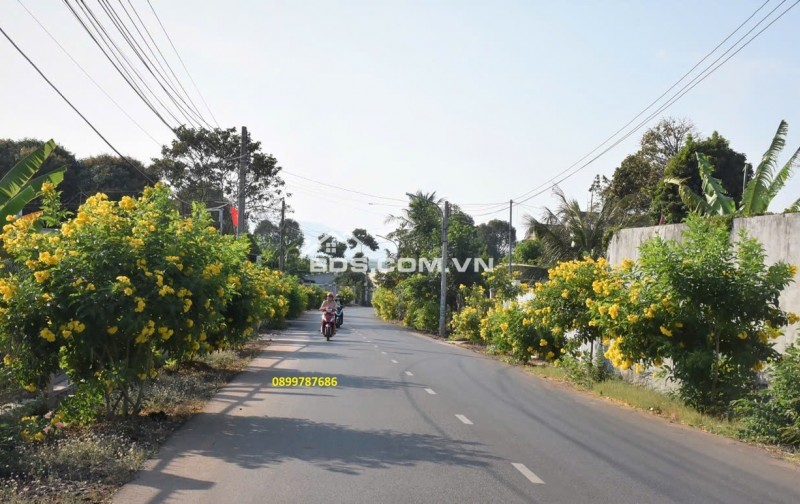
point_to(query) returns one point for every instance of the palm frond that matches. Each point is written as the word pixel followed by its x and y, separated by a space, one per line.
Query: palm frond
pixel 755 192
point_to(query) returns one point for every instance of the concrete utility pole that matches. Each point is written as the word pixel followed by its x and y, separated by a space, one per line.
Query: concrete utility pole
pixel 510 239
pixel 443 296
pixel 282 248
pixel 243 162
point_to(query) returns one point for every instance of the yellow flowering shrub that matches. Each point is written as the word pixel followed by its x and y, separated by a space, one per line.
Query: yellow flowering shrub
pixel 466 323
pixel 567 301
pixel 707 304
pixel 123 286
pixel 507 327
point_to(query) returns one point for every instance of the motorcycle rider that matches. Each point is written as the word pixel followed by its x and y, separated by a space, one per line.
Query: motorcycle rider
pixel 328 303
pixel 339 311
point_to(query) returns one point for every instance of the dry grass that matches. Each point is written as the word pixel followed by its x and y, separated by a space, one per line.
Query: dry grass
pixel 88 464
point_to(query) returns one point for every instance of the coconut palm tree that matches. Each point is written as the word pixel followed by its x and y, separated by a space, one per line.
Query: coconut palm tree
pixel 572 233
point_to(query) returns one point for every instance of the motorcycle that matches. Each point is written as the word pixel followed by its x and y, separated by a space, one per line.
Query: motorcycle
pixel 328 323
pixel 339 316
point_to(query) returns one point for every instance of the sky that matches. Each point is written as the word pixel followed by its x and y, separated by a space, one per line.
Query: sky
pixel 479 101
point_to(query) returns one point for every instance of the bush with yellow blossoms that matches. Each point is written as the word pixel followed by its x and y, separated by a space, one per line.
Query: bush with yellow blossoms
pixel 562 304
pixel 509 328
pixel 466 323
pixel 707 304
pixel 386 303
pixel 121 288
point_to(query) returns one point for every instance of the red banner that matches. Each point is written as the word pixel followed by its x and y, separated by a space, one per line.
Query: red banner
pixel 235 216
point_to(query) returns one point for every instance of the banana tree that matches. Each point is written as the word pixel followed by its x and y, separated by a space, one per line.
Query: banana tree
pixel 18 188
pixel 759 191
pixel 716 201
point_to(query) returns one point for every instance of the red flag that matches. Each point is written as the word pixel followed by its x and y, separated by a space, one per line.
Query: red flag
pixel 662 221
pixel 235 216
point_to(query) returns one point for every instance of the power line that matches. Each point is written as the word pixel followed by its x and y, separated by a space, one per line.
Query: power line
pixel 120 56
pixel 323 189
pixel 122 71
pixel 650 105
pixel 87 73
pixel 163 58
pixel 342 188
pixel 185 110
pixel 73 106
pixel 688 87
pixel 675 97
pixel 182 63
pixel 117 22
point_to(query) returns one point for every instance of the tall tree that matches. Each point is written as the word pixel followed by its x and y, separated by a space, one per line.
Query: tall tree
pixel 634 181
pixel 114 176
pixel 664 141
pixel 361 238
pixel 203 165
pixel 494 238
pixel 730 167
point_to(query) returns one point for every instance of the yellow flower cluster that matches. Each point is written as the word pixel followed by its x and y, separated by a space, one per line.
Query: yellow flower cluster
pixel 146 332
pixel 165 332
pixel 615 355
pixel 212 269
pixel 7 289
pixel 75 326
pixel 47 334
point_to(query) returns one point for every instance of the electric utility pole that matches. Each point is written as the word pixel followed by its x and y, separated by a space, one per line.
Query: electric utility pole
pixel 510 238
pixel 243 162
pixel 282 247
pixel 443 297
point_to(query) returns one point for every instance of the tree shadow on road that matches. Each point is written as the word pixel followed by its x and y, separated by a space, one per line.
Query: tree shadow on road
pixel 253 442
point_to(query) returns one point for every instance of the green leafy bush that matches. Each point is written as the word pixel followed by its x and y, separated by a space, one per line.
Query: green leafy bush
pixel 773 415
pixel 708 305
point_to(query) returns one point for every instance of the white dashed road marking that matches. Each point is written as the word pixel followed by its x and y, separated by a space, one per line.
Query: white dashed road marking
pixel 384 353
pixel 394 361
pixel 464 419
pixel 528 474
pixel 430 391
pixel 409 373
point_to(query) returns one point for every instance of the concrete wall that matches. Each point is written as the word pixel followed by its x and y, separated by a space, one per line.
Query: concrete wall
pixel 780 237
pixel 778 234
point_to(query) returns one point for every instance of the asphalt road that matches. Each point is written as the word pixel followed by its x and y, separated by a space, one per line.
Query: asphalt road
pixel 416 420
